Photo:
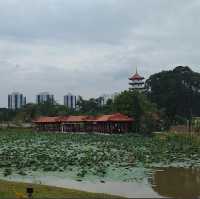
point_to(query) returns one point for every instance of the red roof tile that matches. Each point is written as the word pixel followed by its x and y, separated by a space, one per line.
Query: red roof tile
pixel 45 119
pixel 117 117
pixel 136 77
pixel 74 118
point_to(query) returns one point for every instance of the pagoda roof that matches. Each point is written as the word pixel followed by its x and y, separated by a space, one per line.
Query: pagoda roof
pixel 136 76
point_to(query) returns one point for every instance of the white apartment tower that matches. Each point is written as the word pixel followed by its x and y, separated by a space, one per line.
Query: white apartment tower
pixel 70 101
pixel 44 97
pixel 16 100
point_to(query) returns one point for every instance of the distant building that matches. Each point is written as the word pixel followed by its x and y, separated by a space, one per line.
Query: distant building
pixel 44 97
pixel 70 101
pixel 103 99
pixel 16 100
pixel 137 82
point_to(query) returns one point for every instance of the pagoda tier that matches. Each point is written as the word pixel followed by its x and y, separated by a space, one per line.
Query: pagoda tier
pixel 136 83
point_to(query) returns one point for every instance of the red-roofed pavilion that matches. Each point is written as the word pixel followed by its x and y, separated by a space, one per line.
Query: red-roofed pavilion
pixel 113 123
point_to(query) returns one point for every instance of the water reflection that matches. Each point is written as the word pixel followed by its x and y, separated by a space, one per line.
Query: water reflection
pixel 177 182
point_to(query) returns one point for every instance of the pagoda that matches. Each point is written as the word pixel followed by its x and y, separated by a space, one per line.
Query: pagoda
pixel 137 82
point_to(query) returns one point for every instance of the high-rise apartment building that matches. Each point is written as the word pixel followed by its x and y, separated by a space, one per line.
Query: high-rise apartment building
pixel 70 101
pixel 16 100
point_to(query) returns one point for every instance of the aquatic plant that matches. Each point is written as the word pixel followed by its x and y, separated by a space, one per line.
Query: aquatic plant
pixel 92 154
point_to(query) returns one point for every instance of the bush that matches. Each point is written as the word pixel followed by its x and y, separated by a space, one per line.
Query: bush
pixel 150 122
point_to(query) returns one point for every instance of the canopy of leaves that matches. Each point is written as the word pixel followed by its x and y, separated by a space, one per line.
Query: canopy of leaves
pixel 94 107
pixel 177 91
pixel 6 114
pixel 136 105
pixel 133 103
pixel 31 111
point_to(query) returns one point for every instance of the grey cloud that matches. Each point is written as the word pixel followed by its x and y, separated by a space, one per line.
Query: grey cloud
pixel 99 21
pixel 92 47
pixel 82 21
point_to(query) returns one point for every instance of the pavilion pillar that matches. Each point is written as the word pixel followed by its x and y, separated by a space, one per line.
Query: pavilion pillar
pixel 126 127
pixel 62 127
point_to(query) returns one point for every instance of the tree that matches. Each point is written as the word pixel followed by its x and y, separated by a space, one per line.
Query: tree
pixel 176 91
pixel 134 104
pixel 7 114
pixel 31 111
pixel 91 106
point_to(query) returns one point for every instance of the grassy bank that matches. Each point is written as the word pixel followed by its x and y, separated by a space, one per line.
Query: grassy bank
pixel 18 190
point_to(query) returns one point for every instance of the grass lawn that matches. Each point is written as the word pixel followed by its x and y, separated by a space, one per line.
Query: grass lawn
pixel 18 190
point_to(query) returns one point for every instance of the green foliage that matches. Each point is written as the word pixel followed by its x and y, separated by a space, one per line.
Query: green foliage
pixel 150 122
pixel 136 105
pixel 6 114
pixel 31 111
pixel 90 106
pixel 133 103
pixel 7 171
pixel 177 92
pixel 92 154
pixel 94 106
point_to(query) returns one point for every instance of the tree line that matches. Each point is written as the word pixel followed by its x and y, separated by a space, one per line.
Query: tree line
pixel 171 97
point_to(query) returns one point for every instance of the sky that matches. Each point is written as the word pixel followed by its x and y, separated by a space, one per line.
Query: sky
pixel 92 47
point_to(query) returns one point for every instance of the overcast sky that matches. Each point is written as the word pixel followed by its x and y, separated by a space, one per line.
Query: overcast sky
pixel 91 47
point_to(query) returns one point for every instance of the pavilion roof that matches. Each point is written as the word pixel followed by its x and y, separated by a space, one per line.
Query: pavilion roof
pixel 74 118
pixel 45 119
pixel 117 117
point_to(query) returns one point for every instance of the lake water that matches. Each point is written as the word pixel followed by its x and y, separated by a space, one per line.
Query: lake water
pixel 162 182
pixel 177 182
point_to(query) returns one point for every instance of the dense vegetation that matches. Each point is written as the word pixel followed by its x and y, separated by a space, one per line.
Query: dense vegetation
pixel 177 92
pixel 134 104
pixel 84 154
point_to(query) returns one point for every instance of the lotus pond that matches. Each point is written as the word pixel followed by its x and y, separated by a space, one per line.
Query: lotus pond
pixel 122 157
